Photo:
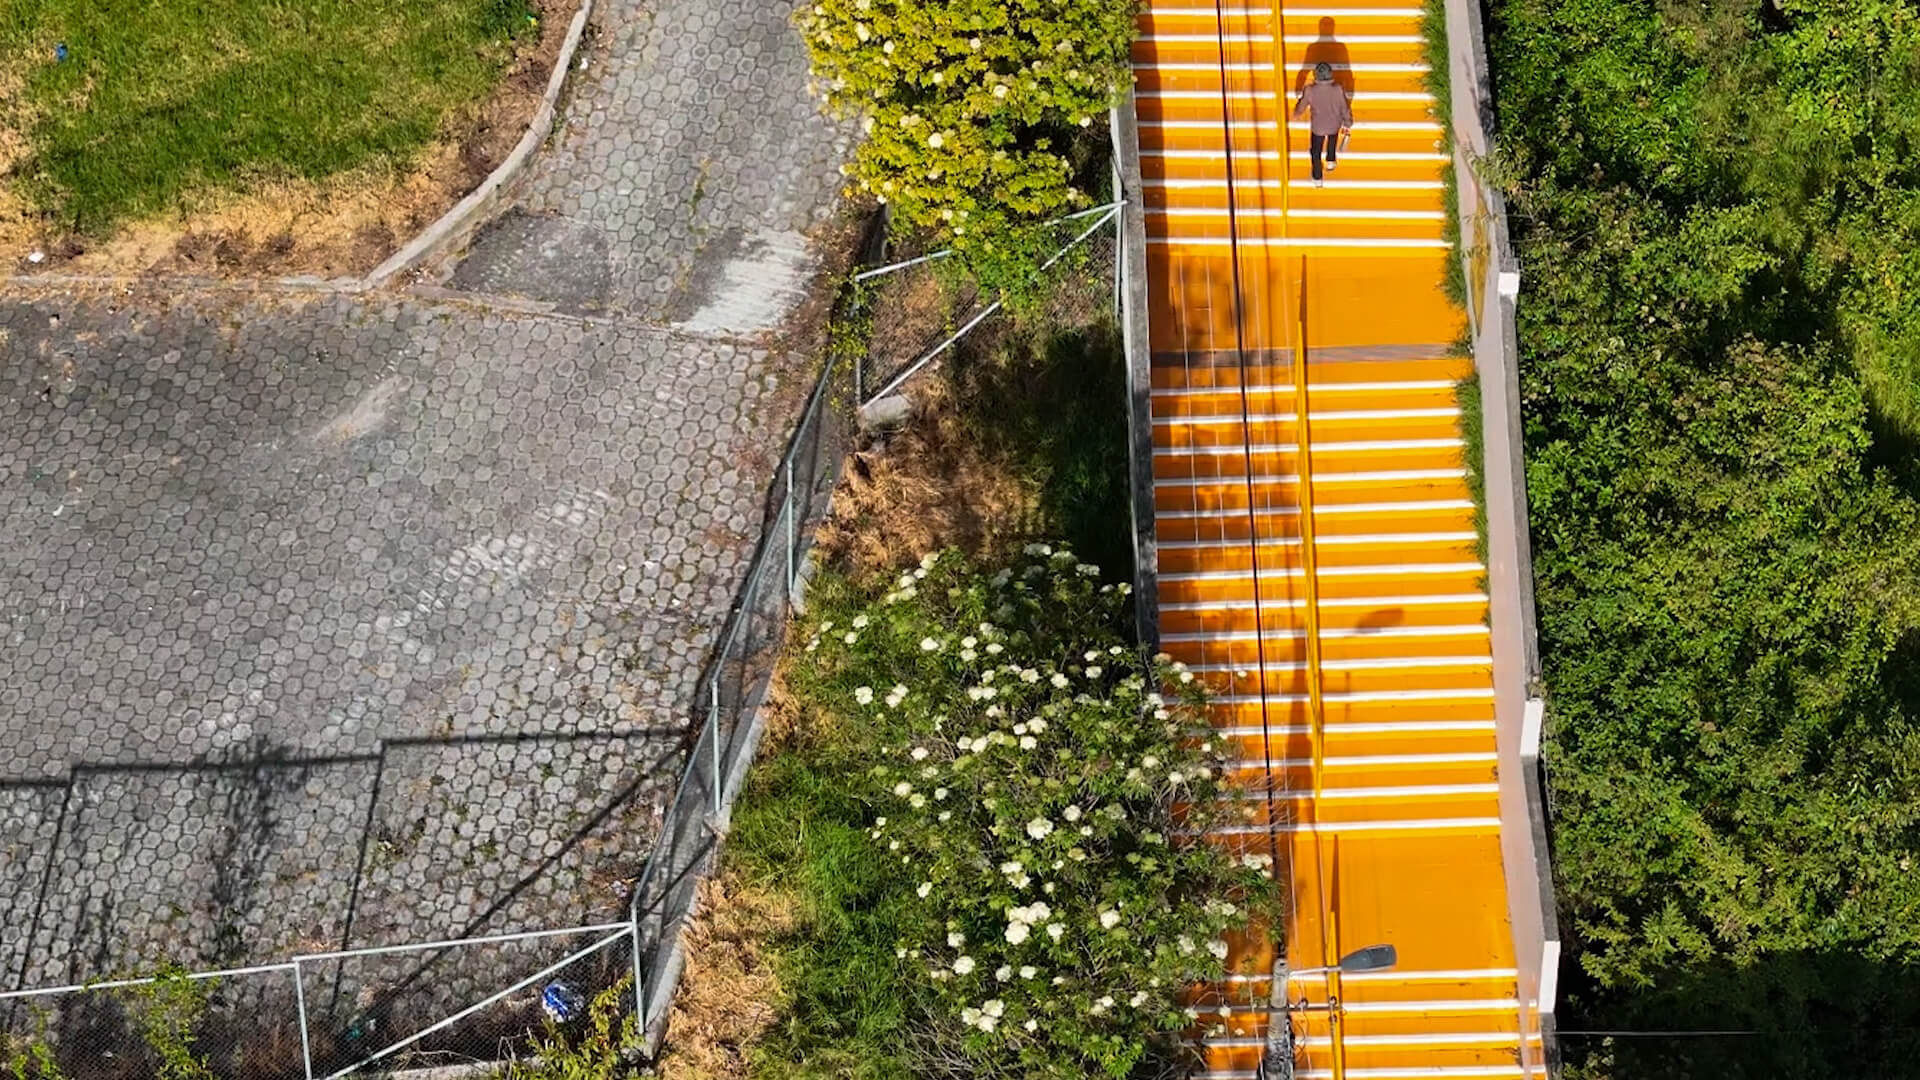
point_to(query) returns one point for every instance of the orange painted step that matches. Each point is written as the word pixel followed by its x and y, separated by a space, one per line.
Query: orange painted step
pixel 1217 224
pixel 1329 423
pixel 1192 307
pixel 1181 464
pixel 1353 23
pixel 1388 368
pixel 1367 747
pixel 1176 526
pixel 1385 548
pixel 1376 993
pixel 1382 771
pixel 1414 712
pixel 1257 76
pixel 1287 585
pixel 1346 195
pixel 1278 395
pixel 1262 105
pixel 1270 491
pixel 1356 166
pixel 1165 45
pixel 1242 649
pixel 1223 617
pixel 1393 673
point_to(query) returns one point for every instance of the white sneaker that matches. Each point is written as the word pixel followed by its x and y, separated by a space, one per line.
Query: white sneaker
pixel 1332 165
pixel 1319 183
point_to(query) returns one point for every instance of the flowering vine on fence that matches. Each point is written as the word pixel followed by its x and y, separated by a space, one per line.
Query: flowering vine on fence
pixel 1042 794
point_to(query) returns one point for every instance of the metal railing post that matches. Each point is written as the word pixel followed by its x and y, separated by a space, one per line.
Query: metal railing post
pixel 300 1008
pixel 1119 241
pixel 639 976
pixel 792 511
pixel 713 724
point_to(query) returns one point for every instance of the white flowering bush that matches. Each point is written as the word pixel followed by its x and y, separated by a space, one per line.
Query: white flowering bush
pixel 969 107
pixel 1042 800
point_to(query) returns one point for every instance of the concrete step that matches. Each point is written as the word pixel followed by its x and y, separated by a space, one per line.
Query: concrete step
pixel 1357 747
pixel 1407 609
pixel 1250 135
pixel 1415 712
pixel 1186 41
pixel 1304 25
pixel 1268 522
pixel 1287 584
pixel 1387 368
pixel 1264 493
pixel 1330 422
pixel 1265 106
pixel 1216 225
pixel 1280 396
pixel 1357 166
pixel 1241 649
pixel 1328 457
pixel 1368 77
pixel 1347 771
pixel 1362 549
pixel 1289 677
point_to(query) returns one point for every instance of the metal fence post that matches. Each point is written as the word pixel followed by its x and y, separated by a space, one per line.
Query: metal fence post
pixel 639 974
pixel 859 368
pixel 713 724
pixel 300 1007
pixel 791 529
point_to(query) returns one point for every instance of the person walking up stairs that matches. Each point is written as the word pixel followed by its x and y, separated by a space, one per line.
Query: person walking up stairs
pixel 1332 116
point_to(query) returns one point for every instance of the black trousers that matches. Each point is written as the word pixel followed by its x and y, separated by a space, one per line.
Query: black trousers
pixel 1328 144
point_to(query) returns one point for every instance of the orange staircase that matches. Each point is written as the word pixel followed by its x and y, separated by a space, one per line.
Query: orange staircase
pixel 1323 576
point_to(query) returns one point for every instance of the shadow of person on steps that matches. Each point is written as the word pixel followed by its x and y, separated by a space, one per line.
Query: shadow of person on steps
pixel 1325 49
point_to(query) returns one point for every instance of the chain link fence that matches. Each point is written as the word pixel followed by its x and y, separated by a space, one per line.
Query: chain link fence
pixel 495 999
pixel 370 1011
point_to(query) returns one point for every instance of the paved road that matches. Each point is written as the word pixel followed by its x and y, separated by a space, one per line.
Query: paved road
pixel 343 604
pixel 372 619
pixel 690 165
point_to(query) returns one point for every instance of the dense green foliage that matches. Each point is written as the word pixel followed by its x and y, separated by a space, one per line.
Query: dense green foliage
pixel 158 102
pixel 973 110
pixel 1007 782
pixel 1717 210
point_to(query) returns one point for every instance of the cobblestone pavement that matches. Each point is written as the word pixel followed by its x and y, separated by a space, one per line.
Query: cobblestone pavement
pixel 690 165
pixel 349 619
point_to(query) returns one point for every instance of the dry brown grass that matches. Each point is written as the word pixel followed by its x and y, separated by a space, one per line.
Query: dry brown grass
pixel 728 992
pixel 342 226
pixel 931 485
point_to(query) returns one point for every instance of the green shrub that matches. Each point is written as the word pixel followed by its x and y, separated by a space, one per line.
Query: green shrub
pixel 173 1006
pixel 1709 204
pixel 970 107
pixel 596 1048
pixel 1032 798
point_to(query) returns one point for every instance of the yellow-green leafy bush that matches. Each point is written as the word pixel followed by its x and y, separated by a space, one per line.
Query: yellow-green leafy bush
pixel 970 106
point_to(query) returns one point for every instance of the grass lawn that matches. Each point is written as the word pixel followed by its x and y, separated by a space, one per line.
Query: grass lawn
pixel 159 101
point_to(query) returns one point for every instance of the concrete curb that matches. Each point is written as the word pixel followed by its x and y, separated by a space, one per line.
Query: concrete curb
pixel 459 223
pixel 1132 288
